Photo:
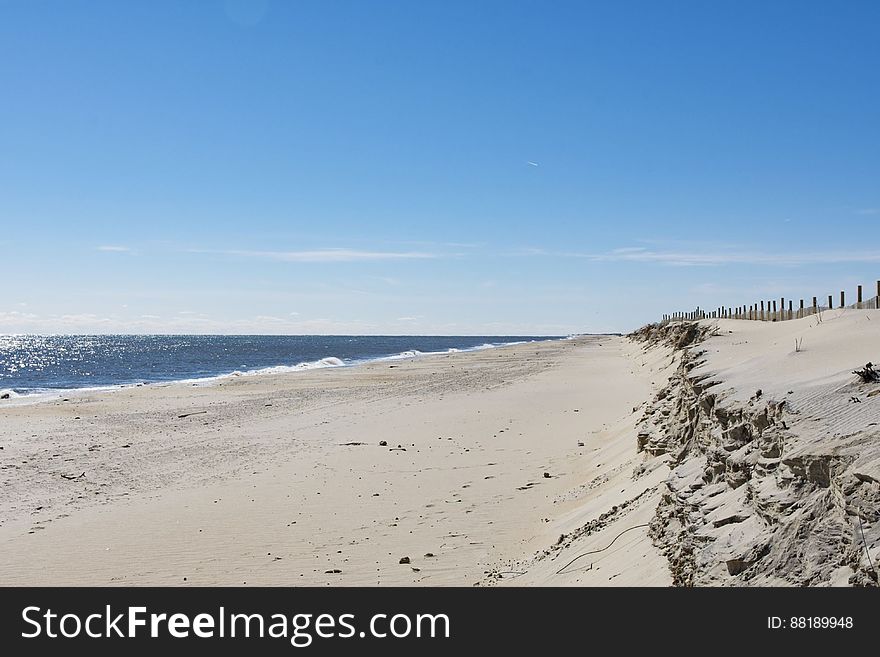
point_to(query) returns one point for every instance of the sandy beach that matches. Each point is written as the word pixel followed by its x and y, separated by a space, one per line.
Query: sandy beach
pixel 283 479
pixel 720 452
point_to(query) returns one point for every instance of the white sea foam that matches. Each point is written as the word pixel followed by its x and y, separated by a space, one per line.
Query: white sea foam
pixel 330 361
pixel 411 353
pixel 415 353
pixel 38 395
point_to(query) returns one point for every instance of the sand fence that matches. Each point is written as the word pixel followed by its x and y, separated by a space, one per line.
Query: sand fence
pixel 771 311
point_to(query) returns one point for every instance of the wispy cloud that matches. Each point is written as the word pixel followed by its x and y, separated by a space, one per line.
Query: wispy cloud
pixel 531 251
pixel 868 211
pixel 15 322
pixel 326 255
pixel 744 256
pixel 114 248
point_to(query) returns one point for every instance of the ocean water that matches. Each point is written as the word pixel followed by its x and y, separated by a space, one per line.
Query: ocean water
pixel 35 364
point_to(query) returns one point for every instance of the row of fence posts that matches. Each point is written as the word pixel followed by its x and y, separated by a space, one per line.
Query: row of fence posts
pixel 768 311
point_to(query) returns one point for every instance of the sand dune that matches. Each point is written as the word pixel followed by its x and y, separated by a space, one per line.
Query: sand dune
pixel 775 452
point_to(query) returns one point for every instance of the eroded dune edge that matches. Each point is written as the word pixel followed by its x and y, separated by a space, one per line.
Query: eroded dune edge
pixel 774 451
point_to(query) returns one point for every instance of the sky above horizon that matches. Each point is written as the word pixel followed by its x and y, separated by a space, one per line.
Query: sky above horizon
pixel 438 167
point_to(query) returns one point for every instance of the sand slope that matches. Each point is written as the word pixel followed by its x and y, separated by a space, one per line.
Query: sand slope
pixel 775 451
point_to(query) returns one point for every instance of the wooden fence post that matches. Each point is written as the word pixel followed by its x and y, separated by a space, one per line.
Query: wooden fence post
pixel 842 299
pixel 859 297
pixel 801 311
pixel 815 306
pixel 830 303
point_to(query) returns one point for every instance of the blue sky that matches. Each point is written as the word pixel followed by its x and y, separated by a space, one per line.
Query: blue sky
pixel 430 167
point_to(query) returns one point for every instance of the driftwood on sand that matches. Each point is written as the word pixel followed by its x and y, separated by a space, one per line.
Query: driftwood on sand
pixel 868 374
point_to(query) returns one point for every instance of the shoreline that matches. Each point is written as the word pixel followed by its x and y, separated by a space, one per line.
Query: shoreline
pixel 48 394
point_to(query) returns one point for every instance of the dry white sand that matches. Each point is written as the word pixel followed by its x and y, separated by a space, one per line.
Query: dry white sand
pixel 280 480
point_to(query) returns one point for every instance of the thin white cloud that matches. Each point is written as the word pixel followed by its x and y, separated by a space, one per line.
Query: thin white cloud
pixel 15 322
pixel 14 316
pixel 744 256
pixel 79 319
pixel 868 211
pixel 326 255
pixel 114 248
pixel 531 251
